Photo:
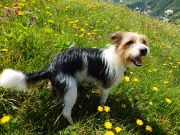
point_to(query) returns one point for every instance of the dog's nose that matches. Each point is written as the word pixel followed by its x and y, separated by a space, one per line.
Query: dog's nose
pixel 143 51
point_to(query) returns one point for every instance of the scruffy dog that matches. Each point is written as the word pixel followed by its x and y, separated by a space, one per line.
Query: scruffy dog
pixel 106 66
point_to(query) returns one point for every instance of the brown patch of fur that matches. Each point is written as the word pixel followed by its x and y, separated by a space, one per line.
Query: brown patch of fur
pixel 122 39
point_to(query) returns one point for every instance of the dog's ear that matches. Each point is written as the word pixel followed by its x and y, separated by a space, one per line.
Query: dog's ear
pixel 117 37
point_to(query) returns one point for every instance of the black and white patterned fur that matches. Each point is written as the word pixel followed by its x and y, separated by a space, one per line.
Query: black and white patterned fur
pixel 74 66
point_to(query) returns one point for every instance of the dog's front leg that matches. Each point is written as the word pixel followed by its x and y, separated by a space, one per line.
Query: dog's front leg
pixel 104 95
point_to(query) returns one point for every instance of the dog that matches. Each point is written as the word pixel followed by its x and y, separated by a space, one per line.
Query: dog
pixel 106 66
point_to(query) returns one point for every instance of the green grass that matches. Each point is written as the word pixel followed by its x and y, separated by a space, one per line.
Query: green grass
pixel 31 44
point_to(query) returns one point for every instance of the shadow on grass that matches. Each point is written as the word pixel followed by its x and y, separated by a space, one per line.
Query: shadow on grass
pixel 42 114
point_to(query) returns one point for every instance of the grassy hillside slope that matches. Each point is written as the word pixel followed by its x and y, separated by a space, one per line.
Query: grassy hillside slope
pixel 158 7
pixel 33 32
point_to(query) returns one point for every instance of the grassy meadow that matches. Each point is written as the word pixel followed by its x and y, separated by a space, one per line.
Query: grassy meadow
pixel 32 32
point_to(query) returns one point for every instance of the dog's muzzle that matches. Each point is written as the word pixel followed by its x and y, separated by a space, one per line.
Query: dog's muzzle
pixel 138 60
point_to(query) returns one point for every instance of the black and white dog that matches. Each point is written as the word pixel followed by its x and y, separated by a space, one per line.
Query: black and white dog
pixel 106 66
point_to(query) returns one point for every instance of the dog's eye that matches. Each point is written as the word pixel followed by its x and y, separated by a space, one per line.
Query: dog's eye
pixel 144 42
pixel 129 43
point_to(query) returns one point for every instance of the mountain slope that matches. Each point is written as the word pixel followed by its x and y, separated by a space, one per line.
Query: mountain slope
pixel 158 8
pixel 33 32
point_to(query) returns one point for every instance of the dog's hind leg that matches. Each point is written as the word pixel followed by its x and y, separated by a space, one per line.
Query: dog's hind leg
pixel 104 95
pixel 70 98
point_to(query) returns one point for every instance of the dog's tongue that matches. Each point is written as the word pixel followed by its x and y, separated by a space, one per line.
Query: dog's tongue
pixel 138 61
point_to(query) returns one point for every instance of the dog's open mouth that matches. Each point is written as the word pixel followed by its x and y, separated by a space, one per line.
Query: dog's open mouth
pixel 137 61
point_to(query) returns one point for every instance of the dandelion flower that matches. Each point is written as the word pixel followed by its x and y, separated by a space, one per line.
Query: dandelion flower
pixel 166 82
pixel 118 129
pixel 88 34
pixel 106 108
pixel 82 30
pixel 155 88
pixel 126 78
pixel 149 128
pixel 50 21
pixel 108 125
pixel 139 122
pixel 5 119
pixel 168 100
pixel 20 13
pixel 150 103
pixel 4 50
pixel 100 108
pixel 135 80
pixel 76 21
pixel 109 133
pixel 149 71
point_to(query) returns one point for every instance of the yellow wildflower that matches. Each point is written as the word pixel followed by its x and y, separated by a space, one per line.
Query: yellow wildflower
pixel 149 71
pixel 149 128
pixel 135 80
pixel 76 21
pixel 126 78
pixel 97 91
pixel 166 82
pixel 20 13
pixel 106 108
pixel 50 21
pixel 139 122
pixel 118 92
pixel 100 108
pixel 5 119
pixel 88 34
pixel 123 106
pixel 155 70
pixel 170 71
pixel 108 125
pixel 109 133
pixel 82 30
pixel 4 50
pixel 130 99
pixel 168 100
pixel 81 36
pixel 155 88
pixel 118 129
pixel 150 103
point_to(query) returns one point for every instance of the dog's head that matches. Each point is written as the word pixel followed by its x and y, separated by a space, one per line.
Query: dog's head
pixel 131 47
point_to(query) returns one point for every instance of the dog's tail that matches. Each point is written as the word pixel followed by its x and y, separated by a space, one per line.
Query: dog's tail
pixel 19 80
